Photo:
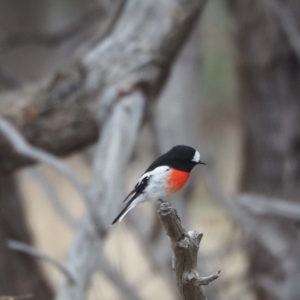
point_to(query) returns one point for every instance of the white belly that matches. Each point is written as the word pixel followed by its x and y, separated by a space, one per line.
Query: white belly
pixel 156 188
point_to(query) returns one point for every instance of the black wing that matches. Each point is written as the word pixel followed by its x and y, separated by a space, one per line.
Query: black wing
pixel 139 188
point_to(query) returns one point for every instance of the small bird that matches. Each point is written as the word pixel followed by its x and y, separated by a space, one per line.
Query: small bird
pixel 164 177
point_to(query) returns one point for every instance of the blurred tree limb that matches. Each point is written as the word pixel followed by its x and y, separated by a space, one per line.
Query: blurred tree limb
pixel 266 36
pixel 262 205
pixel 185 246
pixel 93 26
pixel 26 248
pixel 62 113
pixel 106 90
pixel 51 39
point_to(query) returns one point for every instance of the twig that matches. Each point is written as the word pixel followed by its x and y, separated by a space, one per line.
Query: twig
pixel 185 247
pixel 195 279
pixel 22 147
pixel 25 248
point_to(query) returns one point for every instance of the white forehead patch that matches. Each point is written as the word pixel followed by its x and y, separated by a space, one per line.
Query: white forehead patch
pixel 196 157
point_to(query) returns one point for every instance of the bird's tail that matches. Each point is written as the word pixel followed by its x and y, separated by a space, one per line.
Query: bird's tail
pixel 124 212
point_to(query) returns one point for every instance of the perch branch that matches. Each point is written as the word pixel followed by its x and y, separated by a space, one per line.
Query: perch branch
pixel 185 246
pixel 24 248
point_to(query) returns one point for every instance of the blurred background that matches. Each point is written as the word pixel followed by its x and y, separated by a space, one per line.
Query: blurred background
pixel 233 94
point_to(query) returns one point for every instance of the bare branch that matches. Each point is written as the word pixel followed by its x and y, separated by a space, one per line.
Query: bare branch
pixel 23 148
pixel 102 16
pixel 25 248
pixel 50 39
pixel 267 235
pixel 116 144
pixel 138 53
pixel 263 205
pixel 185 247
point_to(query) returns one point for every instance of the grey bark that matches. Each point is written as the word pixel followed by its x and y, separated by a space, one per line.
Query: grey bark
pixel 181 102
pixel 267 40
pixel 62 108
pixel 185 246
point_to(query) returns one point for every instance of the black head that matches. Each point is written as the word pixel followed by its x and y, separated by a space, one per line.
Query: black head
pixel 180 157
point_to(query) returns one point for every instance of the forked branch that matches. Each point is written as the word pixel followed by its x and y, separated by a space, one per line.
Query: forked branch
pixel 185 246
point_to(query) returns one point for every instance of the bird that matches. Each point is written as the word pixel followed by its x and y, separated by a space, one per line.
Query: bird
pixel 165 176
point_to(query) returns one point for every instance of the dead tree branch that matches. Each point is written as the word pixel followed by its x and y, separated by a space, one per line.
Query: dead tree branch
pixel 185 247
pixel 118 138
pixel 95 24
pixel 267 235
pixel 263 205
pixel 50 39
pixel 60 114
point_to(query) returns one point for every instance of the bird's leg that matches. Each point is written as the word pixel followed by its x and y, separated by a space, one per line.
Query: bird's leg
pixel 164 204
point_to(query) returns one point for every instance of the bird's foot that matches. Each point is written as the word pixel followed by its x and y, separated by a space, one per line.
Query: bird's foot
pixel 164 208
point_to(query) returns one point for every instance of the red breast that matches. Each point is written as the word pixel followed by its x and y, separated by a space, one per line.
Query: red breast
pixel 177 180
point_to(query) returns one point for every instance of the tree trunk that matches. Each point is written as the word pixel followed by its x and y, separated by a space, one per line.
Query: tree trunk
pixel 269 75
pixel 20 274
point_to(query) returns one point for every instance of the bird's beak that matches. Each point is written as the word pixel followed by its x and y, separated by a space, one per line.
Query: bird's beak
pixel 201 162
